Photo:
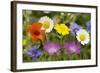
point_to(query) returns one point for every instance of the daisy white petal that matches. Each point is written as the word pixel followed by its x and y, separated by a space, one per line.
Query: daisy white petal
pixel 47 22
pixel 83 36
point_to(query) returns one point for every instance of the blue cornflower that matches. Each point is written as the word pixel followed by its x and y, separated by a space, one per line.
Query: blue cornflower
pixel 34 52
pixel 74 28
pixel 88 24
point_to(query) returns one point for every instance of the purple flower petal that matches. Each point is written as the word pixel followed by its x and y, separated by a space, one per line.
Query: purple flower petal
pixel 88 24
pixel 74 28
pixel 52 48
pixel 34 52
pixel 72 47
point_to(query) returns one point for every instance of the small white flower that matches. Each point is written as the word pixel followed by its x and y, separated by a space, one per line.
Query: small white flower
pixel 83 36
pixel 47 22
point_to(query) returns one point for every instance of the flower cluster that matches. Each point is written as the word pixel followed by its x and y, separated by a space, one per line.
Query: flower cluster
pixel 53 39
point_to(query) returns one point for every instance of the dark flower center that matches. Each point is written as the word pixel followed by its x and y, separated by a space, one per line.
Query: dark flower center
pixel 36 32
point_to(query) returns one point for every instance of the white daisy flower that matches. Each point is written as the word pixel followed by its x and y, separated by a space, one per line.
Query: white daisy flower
pixel 83 36
pixel 47 22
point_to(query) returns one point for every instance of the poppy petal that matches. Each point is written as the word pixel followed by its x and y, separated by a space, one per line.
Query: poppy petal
pixel 34 38
pixel 36 25
pixel 30 29
pixel 36 32
pixel 42 35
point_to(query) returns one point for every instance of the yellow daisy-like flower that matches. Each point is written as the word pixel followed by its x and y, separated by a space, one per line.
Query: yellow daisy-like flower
pixel 62 29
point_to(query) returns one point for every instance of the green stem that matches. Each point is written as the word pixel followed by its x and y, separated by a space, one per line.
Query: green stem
pixel 46 37
pixel 61 40
pixel 41 44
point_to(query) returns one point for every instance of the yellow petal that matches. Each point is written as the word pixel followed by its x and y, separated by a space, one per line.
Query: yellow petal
pixel 62 29
pixel 24 42
pixel 56 26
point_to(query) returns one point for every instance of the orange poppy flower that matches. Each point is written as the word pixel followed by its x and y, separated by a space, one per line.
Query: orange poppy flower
pixel 36 32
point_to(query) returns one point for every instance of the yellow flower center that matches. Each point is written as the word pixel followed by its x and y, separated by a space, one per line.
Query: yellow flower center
pixel 82 37
pixel 46 24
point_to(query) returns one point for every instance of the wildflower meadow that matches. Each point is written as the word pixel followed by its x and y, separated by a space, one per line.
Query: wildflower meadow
pixel 56 36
